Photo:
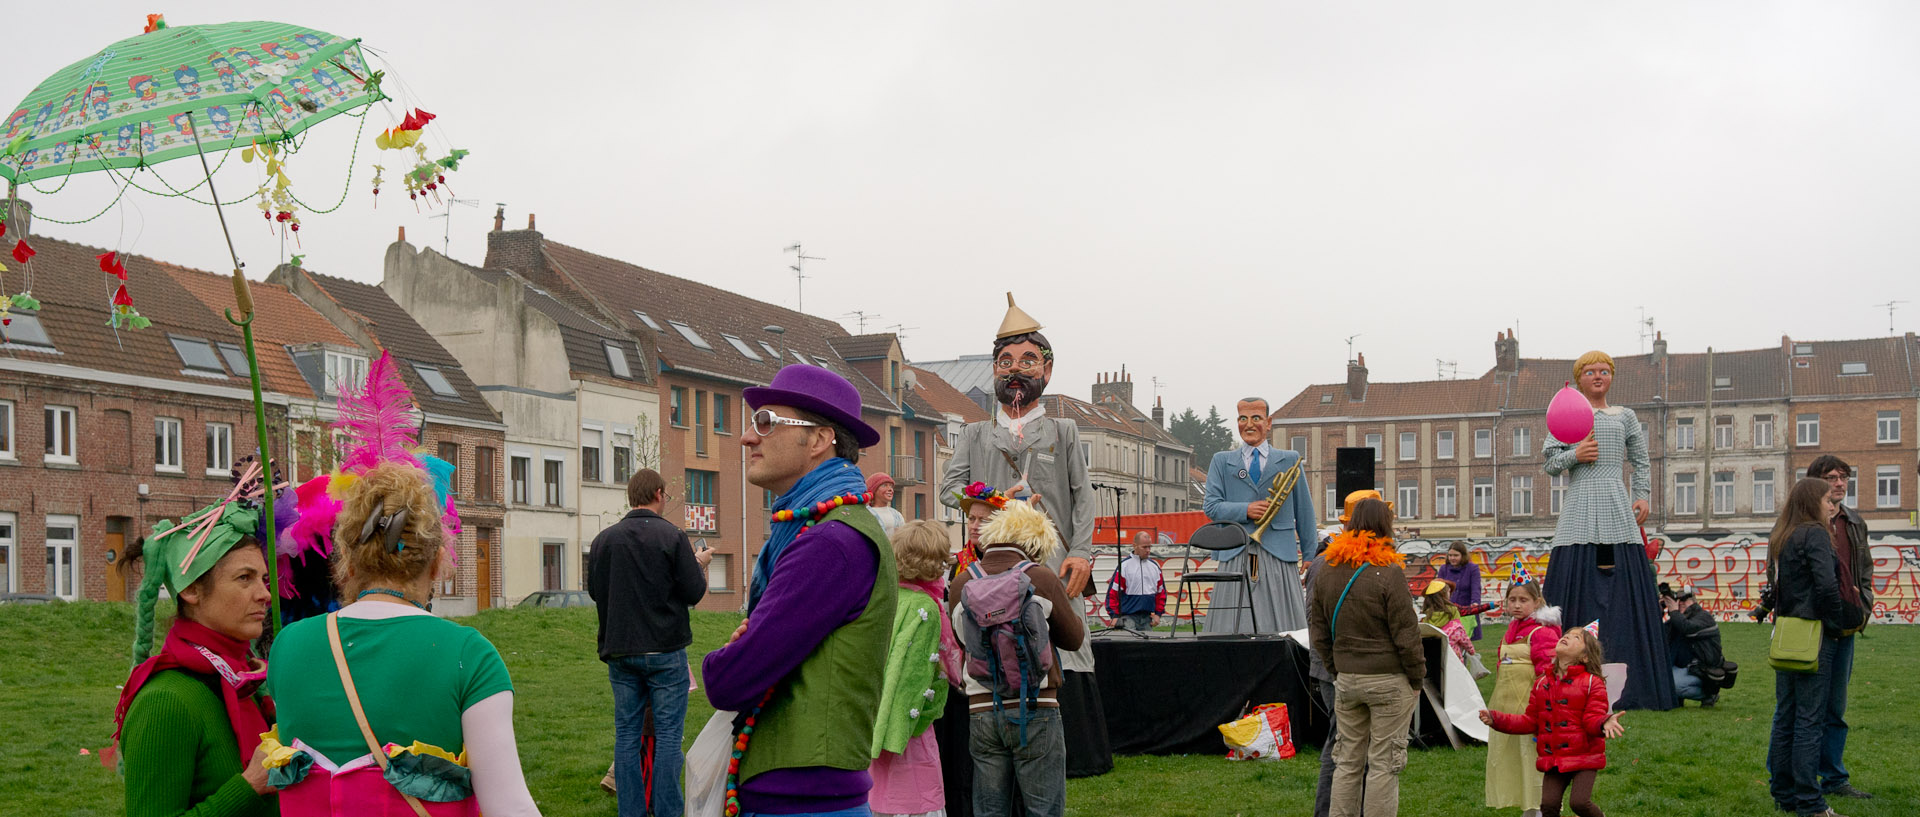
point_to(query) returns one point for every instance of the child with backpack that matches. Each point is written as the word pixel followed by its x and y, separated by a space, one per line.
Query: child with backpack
pixel 922 660
pixel 1526 655
pixel 1568 719
pixel 1010 613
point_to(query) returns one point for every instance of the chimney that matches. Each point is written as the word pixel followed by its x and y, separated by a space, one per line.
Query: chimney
pixel 1659 349
pixel 1506 352
pixel 403 234
pixel 1115 385
pixel 500 218
pixel 1159 413
pixel 530 221
pixel 1357 379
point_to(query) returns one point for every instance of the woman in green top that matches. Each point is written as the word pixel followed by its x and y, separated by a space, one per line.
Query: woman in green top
pixel 428 686
pixel 189 714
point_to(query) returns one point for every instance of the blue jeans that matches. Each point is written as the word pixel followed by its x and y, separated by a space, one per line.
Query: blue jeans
pixel 856 811
pixel 1686 684
pixel 656 682
pixel 1833 772
pixel 1799 729
pixel 999 762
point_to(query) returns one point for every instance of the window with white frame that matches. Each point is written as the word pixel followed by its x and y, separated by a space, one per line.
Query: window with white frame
pixel 6 431
pixel 1483 495
pixel 1374 442
pixel 555 472
pixel 1683 434
pixel 1886 427
pixel 518 477
pixel 1723 433
pixel 1723 492
pixel 622 457
pixel 1409 446
pixel 1446 498
pixel 1483 442
pixel 1886 487
pixel 1853 490
pixel 166 444
pixel 591 441
pixel 63 443
pixel 1686 494
pixel 1854 368
pixel 1763 490
pixel 1443 445
pixel 63 545
pixel 617 361
pixel 1556 493
pixel 1332 504
pixel 345 371
pixel 1522 496
pixel 1522 441
pixel 219 449
pixel 1762 431
pixel 718 570
pixel 1407 500
pixel 9 556
pixel 1806 429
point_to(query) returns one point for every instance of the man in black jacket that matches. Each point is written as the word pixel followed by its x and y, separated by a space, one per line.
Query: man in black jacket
pixel 1854 554
pixel 1693 641
pixel 643 574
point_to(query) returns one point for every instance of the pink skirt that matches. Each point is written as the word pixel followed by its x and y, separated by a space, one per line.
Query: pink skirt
pixel 909 782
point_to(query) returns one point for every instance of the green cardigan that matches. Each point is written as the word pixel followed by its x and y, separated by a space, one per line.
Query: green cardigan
pixel 915 692
pixel 180 756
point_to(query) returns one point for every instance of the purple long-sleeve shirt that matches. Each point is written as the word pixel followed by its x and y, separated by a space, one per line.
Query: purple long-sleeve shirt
pixel 823 583
pixel 1466 582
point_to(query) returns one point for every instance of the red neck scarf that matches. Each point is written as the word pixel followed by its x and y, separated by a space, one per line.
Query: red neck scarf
pixel 951 658
pixel 195 648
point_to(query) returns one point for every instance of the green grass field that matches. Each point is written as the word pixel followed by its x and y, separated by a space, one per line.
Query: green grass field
pixel 60 667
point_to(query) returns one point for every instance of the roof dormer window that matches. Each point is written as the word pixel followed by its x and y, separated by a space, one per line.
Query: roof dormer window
pixel 345 371
pixel 691 336
pixel 197 356
pixel 650 322
pixel 435 380
pixel 741 346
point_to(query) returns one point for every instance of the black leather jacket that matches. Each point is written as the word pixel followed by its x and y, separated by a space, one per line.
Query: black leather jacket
pixel 1806 579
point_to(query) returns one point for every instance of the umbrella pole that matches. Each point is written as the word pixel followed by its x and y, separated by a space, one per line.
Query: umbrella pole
pixel 243 298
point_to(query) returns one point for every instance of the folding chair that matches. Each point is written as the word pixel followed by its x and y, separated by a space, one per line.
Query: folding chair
pixel 1217 537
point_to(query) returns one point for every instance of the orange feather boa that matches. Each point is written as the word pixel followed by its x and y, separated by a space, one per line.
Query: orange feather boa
pixel 1363 547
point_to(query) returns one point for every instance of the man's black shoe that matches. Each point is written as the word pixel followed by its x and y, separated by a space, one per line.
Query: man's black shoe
pixel 1709 701
pixel 1846 790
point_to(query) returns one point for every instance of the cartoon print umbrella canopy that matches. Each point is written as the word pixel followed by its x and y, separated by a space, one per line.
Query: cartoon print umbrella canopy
pixel 147 99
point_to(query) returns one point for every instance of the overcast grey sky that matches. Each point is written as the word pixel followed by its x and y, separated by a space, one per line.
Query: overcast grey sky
pixel 1216 194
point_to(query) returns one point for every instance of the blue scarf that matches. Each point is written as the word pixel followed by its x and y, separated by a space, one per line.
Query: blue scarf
pixel 835 477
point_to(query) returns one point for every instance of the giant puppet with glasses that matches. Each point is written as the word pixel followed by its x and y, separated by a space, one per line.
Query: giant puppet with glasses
pixel 1260 488
pixel 1032 456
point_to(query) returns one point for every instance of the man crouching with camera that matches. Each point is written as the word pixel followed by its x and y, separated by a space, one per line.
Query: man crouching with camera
pixel 1700 669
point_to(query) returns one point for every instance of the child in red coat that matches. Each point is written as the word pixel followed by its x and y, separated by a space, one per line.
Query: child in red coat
pixel 1567 715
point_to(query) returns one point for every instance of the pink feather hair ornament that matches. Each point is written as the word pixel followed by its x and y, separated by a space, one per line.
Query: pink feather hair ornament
pixel 377 419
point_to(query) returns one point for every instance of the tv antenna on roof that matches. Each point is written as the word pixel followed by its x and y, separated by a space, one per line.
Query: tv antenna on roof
pixel 446 231
pixel 1446 369
pixel 900 330
pixel 1350 347
pixel 1646 329
pixel 800 275
pixel 1890 306
pixel 860 317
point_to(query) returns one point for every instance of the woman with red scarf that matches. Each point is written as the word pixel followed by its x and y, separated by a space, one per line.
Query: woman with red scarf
pixel 191 715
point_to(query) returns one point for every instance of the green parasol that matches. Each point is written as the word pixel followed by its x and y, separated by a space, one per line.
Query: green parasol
pixel 186 91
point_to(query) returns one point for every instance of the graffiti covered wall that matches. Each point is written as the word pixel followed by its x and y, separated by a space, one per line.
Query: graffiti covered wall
pixel 1727 573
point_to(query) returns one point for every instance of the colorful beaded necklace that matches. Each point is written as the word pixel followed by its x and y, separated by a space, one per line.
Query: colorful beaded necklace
pixel 807 516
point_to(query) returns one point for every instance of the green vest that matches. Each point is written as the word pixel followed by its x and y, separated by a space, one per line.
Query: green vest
pixel 823 713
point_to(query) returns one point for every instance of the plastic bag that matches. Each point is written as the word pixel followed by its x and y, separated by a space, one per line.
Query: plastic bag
pixel 706 766
pixel 1475 666
pixel 1266 733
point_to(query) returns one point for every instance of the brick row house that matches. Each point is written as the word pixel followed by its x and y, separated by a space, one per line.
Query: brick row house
pixel 455 421
pixel 703 346
pixel 1728 432
pixel 105 433
pixel 577 396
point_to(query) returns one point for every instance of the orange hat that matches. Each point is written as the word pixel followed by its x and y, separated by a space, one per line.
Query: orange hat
pixel 1354 498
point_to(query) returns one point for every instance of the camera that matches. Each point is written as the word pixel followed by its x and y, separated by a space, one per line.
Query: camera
pixel 1763 609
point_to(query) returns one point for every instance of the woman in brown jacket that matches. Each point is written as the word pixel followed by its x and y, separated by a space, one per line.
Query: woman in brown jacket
pixel 1362 623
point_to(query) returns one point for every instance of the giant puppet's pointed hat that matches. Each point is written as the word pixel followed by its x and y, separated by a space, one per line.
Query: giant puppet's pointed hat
pixel 1017 321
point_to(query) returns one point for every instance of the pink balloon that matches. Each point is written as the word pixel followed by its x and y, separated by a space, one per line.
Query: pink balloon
pixel 1569 416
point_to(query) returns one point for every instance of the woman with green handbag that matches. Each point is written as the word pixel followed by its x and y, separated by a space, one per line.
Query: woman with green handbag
pixel 1806 587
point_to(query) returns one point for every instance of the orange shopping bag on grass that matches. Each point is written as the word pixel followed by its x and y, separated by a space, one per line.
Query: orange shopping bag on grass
pixel 1264 734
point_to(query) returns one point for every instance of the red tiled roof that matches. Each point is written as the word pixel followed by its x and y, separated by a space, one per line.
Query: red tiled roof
pixel 943 397
pixel 1751 374
pixel 1888 371
pixel 1109 415
pixel 280 320
pixel 1393 400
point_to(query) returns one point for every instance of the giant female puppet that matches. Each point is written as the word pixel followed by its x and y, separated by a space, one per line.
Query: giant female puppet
pixel 1598 569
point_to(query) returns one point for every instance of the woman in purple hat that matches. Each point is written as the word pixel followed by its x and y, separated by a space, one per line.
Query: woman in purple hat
pixel 805 669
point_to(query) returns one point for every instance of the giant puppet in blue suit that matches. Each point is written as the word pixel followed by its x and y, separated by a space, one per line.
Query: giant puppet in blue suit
pixel 1239 484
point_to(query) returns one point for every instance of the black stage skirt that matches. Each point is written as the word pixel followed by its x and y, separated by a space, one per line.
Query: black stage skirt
pixel 1625 599
pixel 1085 721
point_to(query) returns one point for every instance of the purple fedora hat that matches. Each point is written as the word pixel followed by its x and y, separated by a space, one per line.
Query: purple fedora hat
pixel 811 388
